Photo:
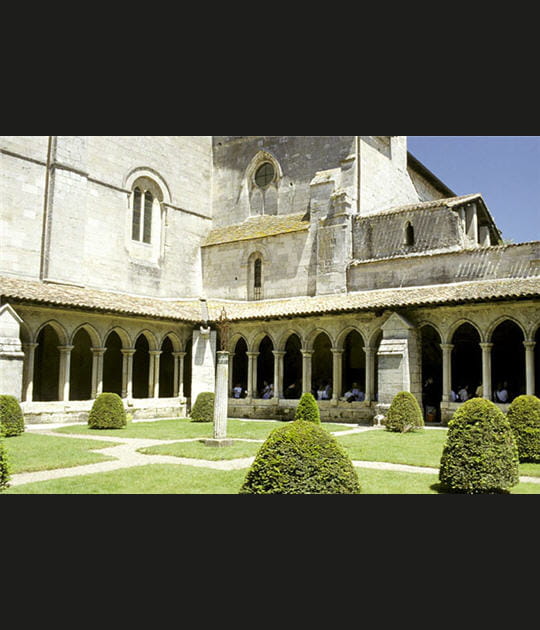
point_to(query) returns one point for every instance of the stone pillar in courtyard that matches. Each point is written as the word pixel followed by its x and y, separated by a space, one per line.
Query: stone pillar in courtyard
pixel 221 401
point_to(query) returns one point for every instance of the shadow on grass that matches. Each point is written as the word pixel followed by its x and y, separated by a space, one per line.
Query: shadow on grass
pixel 442 489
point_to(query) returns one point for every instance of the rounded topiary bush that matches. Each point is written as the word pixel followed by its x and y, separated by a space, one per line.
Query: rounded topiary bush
pixel 308 409
pixel 480 454
pixel 11 415
pixel 4 465
pixel 107 412
pixel 404 414
pixel 301 458
pixel 203 409
pixel 524 418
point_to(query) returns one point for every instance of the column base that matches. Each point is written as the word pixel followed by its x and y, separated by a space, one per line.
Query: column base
pixel 218 442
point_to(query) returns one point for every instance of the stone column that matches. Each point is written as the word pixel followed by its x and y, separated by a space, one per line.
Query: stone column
pixel 370 373
pixel 178 385
pixel 306 371
pixel 278 373
pixel 252 374
pixel 221 402
pixel 529 367
pixel 486 369
pixel 97 371
pixel 446 370
pixel 127 372
pixel 337 373
pixel 153 377
pixel 64 372
pixel 29 350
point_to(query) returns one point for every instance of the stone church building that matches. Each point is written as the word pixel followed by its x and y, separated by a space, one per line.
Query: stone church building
pixel 338 261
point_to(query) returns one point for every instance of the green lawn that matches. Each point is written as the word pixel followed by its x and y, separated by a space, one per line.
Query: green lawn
pixel 180 428
pixel 30 452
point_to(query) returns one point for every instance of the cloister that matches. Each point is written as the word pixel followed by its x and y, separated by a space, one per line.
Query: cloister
pixel 78 358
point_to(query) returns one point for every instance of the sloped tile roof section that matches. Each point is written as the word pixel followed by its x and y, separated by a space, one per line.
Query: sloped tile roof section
pixel 35 292
pixel 381 299
pixel 258 227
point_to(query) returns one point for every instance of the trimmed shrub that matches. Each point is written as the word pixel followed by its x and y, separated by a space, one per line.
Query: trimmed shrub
pixel 524 418
pixel 404 414
pixel 480 454
pixel 11 415
pixel 308 409
pixel 203 409
pixel 4 464
pixel 301 458
pixel 107 412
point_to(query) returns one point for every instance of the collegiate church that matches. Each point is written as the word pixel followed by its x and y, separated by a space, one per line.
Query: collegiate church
pixel 340 263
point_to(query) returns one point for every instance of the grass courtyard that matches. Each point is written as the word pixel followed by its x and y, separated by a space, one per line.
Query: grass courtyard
pixel 180 438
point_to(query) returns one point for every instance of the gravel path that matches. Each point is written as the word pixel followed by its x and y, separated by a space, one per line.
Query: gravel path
pixel 126 456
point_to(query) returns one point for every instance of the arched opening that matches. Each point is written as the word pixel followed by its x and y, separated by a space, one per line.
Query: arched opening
pixel 507 362
pixel 322 367
pixel 80 378
pixel 46 365
pixel 292 368
pixel 112 364
pixel 166 369
pixel 431 373
pixel 354 365
pixel 240 368
pixel 141 369
pixel 466 361
pixel 265 369
pixel 408 236
pixel 187 368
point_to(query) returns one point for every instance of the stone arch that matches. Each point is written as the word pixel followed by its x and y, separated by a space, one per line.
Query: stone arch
pixel 457 324
pixel 265 365
pixel 124 336
pixel 47 361
pixel 113 362
pixel 239 360
pixel 80 377
pixel 353 360
pixel 166 366
pixel 500 320
pixel 59 330
pixel 466 361
pixel 283 338
pixel 432 370
pixel 150 338
pixel 312 336
pixel 321 361
pixel 175 341
pixel 149 173
pixel 256 340
pixel 343 334
pixel 141 365
pixel 507 359
pixel 292 365
pixel 92 333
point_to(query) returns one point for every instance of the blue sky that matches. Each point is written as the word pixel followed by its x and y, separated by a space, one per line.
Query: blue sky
pixel 505 169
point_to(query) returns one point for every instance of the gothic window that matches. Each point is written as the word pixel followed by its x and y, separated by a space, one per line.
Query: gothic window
pixel 257 279
pixel 143 202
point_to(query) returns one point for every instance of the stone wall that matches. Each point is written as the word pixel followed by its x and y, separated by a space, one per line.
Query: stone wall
pixel 511 261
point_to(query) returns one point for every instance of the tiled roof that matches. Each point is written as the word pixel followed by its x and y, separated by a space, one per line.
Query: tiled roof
pixel 35 292
pixel 455 293
pixel 447 202
pixel 258 227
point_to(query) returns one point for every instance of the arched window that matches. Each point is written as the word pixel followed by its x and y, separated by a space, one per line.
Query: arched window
pixel 147 197
pixel 255 276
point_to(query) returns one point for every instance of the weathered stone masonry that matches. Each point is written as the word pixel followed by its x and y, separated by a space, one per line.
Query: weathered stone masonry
pixel 338 259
